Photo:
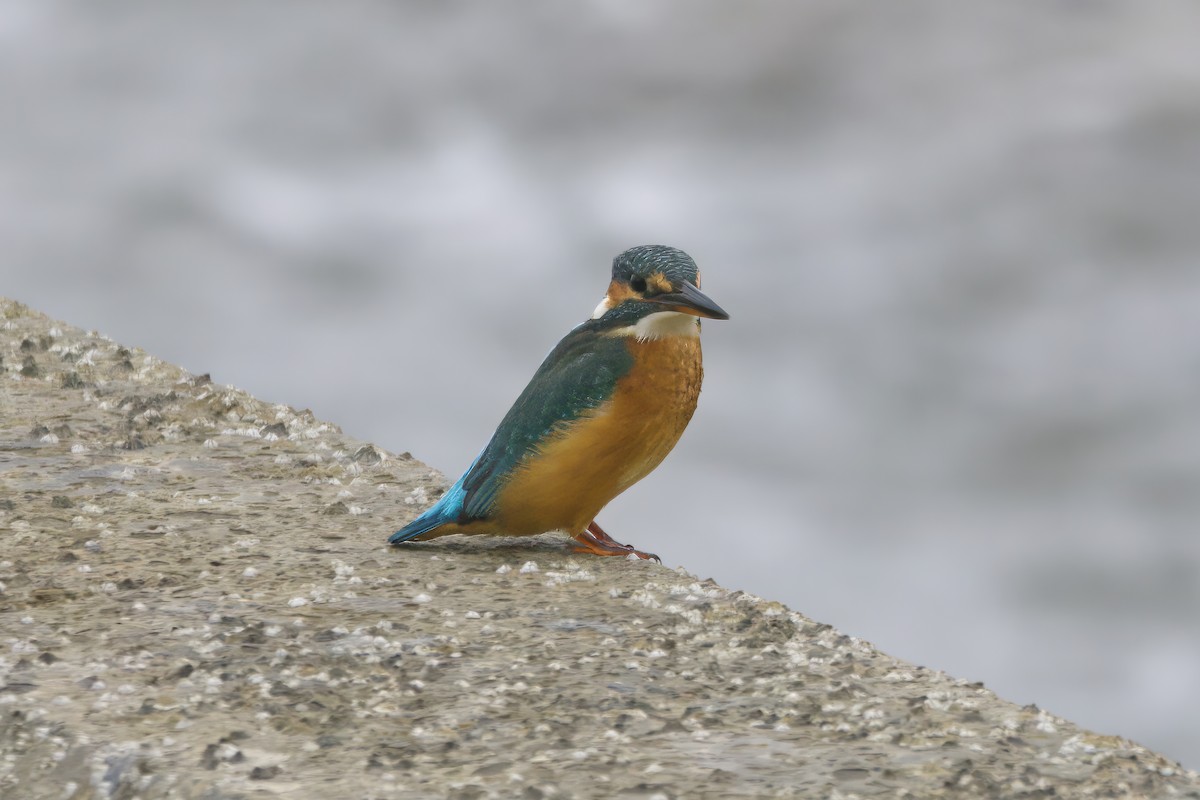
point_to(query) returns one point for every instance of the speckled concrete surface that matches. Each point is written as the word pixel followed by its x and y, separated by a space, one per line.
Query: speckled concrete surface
pixel 196 601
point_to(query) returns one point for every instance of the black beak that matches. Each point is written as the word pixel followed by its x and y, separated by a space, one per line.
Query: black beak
pixel 690 300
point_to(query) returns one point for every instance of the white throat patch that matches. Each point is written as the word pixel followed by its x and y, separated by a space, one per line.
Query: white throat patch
pixel 603 308
pixel 661 325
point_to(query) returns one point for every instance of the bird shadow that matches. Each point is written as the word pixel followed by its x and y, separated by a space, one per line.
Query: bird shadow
pixel 555 544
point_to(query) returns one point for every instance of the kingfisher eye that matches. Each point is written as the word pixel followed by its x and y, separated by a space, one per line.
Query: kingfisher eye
pixel 638 285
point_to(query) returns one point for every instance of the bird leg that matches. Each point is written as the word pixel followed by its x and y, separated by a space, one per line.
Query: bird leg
pixel 595 540
pixel 595 530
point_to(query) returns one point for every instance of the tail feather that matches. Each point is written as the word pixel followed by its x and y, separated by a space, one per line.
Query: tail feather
pixel 421 525
pixel 446 510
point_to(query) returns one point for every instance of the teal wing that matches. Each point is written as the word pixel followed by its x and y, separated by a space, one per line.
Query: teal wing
pixel 579 374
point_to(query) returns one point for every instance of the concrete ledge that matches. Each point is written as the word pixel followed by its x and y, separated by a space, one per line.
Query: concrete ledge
pixel 196 601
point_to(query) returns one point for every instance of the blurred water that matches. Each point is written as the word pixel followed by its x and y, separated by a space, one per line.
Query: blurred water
pixel 955 411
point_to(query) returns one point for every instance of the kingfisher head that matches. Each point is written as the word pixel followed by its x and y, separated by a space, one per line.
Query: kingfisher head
pixel 655 292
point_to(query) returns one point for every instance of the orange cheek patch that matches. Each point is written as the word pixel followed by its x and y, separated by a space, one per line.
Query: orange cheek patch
pixel 659 283
pixel 618 293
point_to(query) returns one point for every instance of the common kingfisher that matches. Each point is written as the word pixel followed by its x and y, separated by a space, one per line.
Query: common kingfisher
pixel 602 411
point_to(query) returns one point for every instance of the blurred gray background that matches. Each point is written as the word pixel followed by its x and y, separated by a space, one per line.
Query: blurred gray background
pixel 956 409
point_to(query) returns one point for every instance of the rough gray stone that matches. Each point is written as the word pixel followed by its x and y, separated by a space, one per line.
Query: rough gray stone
pixel 196 601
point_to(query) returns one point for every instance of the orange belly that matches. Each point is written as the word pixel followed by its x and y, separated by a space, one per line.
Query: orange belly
pixel 579 469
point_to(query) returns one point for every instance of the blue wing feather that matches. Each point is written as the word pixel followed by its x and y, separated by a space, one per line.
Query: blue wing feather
pixel 578 375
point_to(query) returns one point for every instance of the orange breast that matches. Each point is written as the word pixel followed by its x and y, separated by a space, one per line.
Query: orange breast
pixel 578 471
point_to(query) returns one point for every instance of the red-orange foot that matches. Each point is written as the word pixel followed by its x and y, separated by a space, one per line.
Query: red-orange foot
pixel 594 540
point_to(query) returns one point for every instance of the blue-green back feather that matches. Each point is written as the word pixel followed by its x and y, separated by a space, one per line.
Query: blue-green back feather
pixel 578 375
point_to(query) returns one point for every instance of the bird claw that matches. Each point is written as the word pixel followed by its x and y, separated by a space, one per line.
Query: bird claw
pixel 595 541
pixel 644 556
